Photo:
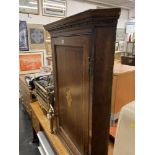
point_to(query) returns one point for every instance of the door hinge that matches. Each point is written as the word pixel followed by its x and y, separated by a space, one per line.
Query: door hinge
pixel 91 61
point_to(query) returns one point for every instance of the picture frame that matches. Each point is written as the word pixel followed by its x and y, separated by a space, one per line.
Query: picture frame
pixel 54 8
pixel 49 61
pixel 23 36
pixel 47 35
pixel 48 43
pixel 48 48
pixel 29 6
pixel 116 46
pixel 122 46
pixel 120 34
pixel 130 48
pixel 30 62
pixel 36 35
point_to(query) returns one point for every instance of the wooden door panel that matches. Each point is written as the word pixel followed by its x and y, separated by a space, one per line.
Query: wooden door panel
pixel 70 71
pixel 72 91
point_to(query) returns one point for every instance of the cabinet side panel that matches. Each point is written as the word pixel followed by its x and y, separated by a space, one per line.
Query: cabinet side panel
pixel 102 88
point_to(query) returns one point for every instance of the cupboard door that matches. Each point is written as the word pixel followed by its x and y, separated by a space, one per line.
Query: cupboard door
pixel 72 95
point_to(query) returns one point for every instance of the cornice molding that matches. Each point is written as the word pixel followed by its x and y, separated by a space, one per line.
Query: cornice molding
pixel 95 17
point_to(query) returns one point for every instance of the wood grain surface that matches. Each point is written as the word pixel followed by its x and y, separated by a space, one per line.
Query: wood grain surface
pixel 44 122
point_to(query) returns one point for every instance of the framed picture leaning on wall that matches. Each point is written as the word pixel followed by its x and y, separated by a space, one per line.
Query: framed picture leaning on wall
pixel 116 46
pixel 23 36
pixel 55 8
pixel 130 48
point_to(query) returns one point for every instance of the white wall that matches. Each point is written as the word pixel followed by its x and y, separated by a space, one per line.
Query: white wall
pixel 132 13
pixel 123 19
pixel 37 19
pixel 73 7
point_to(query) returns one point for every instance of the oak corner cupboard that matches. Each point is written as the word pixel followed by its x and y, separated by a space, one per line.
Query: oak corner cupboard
pixel 83 47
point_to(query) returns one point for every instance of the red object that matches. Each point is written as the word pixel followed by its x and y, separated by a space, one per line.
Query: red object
pixel 130 38
pixel 30 62
pixel 113 130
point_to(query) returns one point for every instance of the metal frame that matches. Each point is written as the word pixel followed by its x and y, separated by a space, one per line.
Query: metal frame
pixel 32 12
pixel 44 14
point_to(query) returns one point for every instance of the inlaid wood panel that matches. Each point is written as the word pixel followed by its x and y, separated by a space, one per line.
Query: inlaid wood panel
pixel 71 93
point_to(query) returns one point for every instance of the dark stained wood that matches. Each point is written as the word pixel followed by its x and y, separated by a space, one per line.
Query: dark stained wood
pixel 128 60
pixel 91 17
pixel 83 55
pixel 102 82
pixel 72 70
